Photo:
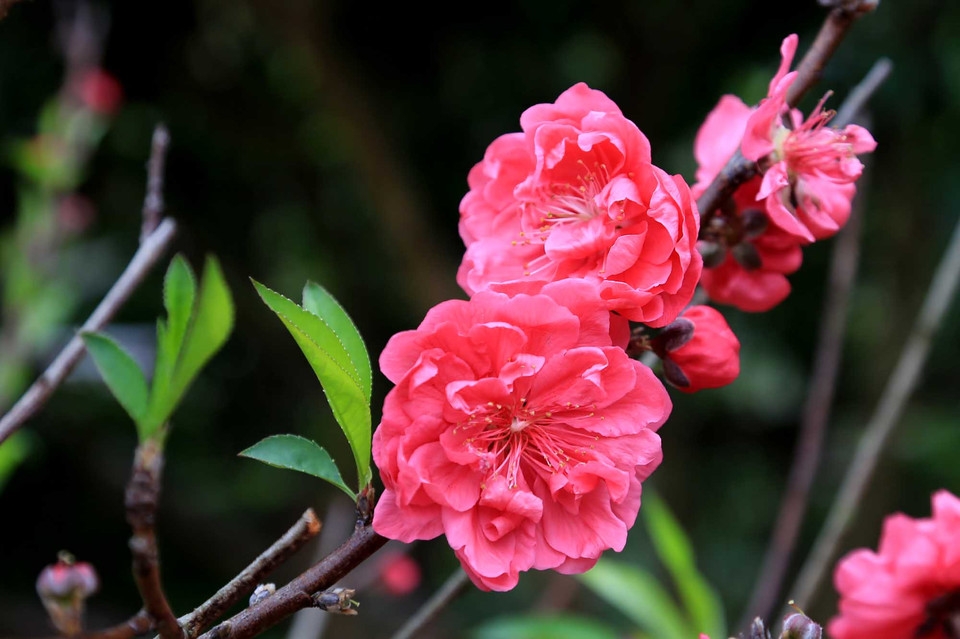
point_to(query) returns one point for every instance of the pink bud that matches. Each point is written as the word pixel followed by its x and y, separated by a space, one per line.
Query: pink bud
pixel 399 574
pixel 63 587
pixel 99 91
pixel 710 358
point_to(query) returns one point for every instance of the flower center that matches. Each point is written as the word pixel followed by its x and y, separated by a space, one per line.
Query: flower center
pixel 512 441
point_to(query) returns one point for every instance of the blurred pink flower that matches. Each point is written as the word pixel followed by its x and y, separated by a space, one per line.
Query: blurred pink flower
pixel 519 430
pixel 699 350
pixel 399 574
pixel 809 183
pixel 910 588
pixel 99 91
pixel 746 258
pixel 575 195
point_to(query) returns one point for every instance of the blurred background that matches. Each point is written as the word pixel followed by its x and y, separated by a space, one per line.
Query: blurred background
pixel 331 141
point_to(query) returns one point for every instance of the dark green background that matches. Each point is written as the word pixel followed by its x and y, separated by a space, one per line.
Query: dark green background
pixel 331 141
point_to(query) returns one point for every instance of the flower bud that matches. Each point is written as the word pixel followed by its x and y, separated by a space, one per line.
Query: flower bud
pixel 747 256
pixel 337 600
pixel 713 253
pixel 709 357
pixel 63 587
pixel 261 592
pixel 399 574
pixel 99 91
pixel 799 626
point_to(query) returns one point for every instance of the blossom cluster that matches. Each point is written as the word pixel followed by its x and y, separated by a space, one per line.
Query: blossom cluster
pixel 521 425
pixel 803 195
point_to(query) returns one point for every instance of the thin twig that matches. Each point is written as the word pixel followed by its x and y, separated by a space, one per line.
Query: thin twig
pixel 738 169
pixel 862 93
pixel 894 397
pixel 816 410
pixel 143 260
pixel 141 500
pixel 452 587
pixel 135 626
pixel 813 425
pixel 306 528
pixel 296 594
pixel 153 200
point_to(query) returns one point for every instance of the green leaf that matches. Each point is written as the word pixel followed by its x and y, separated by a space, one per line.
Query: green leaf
pixel 121 374
pixel 332 366
pixel 673 547
pixel 179 359
pixel 12 453
pixel 639 596
pixel 553 627
pixel 179 293
pixel 298 453
pixel 321 303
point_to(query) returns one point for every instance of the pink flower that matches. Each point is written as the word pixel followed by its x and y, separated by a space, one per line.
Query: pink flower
pixel 574 195
pixel 699 350
pixel 746 258
pixel 911 586
pixel 99 91
pixel 810 181
pixel 518 430
pixel 399 574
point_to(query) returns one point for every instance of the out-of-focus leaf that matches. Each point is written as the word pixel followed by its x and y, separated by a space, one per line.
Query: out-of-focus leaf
pixel 321 303
pixel 673 547
pixel 12 452
pixel 553 627
pixel 121 374
pixel 298 453
pixel 332 366
pixel 639 597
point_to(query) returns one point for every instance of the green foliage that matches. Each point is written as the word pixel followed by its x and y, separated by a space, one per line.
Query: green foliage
pixel 197 327
pixel 643 599
pixel 674 550
pixel 298 453
pixel 336 353
pixel 13 451
pixel 553 627
pixel 639 596
pixel 121 374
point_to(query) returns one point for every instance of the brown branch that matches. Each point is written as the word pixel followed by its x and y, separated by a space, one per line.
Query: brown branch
pixel 141 500
pixel 877 433
pixel 136 625
pixel 816 410
pixel 452 587
pixel 306 528
pixel 738 169
pixel 813 426
pixel 831 34
pixel 296 594
pixel 153 200
pixel 36 396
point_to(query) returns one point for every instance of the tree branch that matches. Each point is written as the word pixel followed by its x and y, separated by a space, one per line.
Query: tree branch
pixel 141 499
pixel 823 378
pixel 37 395
pixel 894 397
pixel 296 594
pixel 452 587
pixel 153 200
pixel 306 528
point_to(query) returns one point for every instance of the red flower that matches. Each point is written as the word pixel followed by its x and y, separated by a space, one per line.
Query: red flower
pixel 746 259
pixel 810 181
pixel 519 430
pixel 576 196
pixel 99 91
pixel 699 350
pixel 910 588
